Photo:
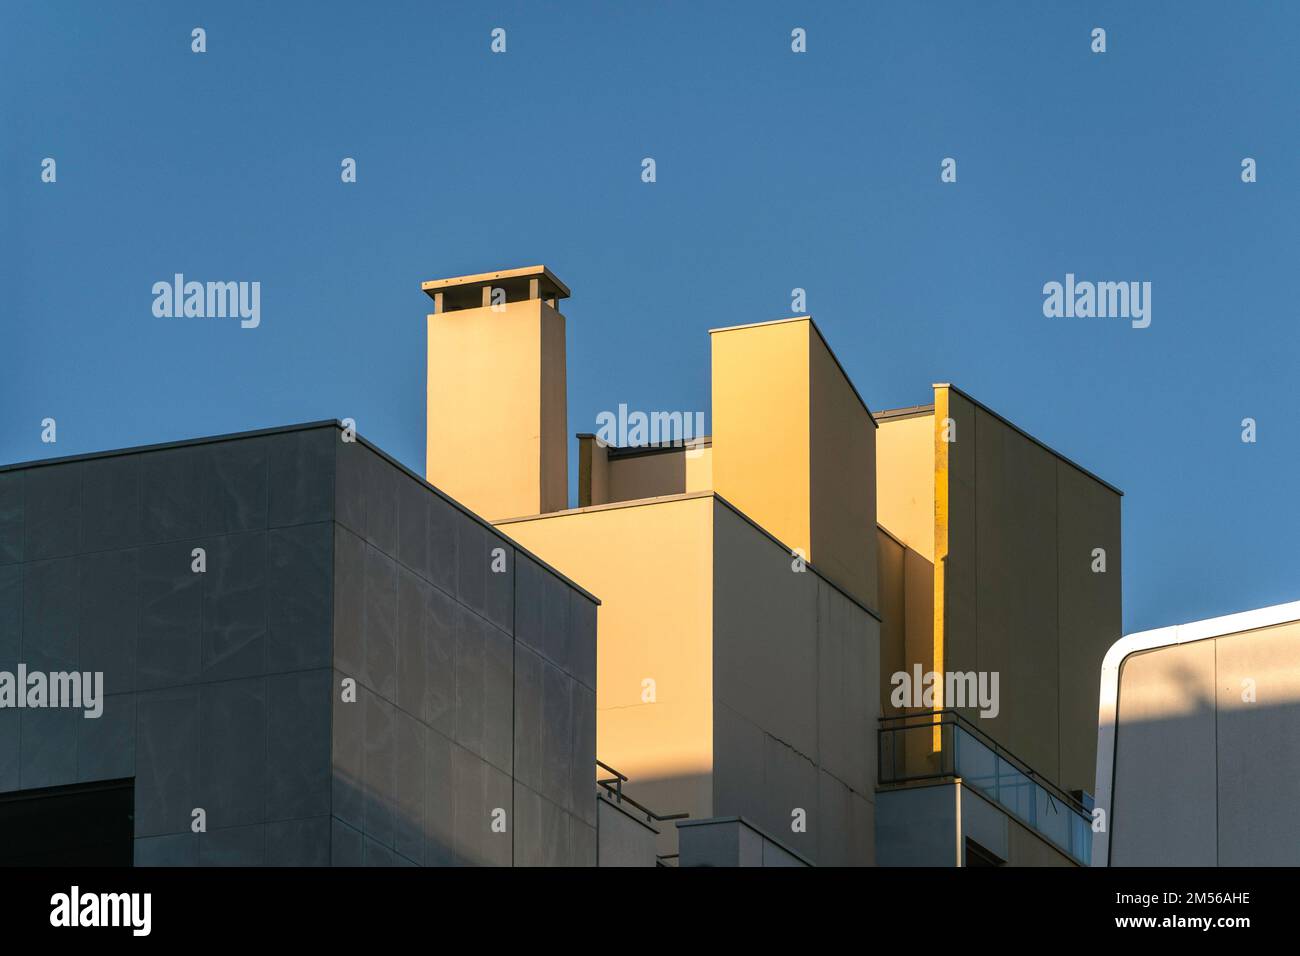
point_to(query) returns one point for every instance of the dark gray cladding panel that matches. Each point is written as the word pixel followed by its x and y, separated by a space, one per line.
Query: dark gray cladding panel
pixel 106 746
pixel 450 712
pixel 234 846
pixel 300 567
pixel 172 497
pixel 170 646
pixel 50 619
pixel 11 613
pixel 302 477
pixel 9 751
pixel 108 627
pixel 110 503
pixel 52 511
pixel 324 562
pixel 235 607
pixel 166 760
pixel 11 517
pixel 48 747
pixel 298 842
pixel 379 637
pixel 216 683
pixel 413 503
pixel 233 746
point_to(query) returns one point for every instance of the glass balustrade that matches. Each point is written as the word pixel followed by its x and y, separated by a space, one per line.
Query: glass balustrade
pixel 938 744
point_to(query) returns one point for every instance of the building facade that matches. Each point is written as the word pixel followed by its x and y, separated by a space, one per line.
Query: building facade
pixel 308 655
pixel 1198 762
pixel 311 655
pixel 940 538
pixel 998 556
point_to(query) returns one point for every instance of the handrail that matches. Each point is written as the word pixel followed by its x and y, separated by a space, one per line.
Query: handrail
pixel 614 785
pixel 925 719
pixel 604 766
pixel 947 747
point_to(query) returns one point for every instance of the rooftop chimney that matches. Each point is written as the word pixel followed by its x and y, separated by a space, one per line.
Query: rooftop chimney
pixel 794 447
pixel 497 421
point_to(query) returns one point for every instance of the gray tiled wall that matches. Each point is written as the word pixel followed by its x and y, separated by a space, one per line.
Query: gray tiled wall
pixel 325 561
pixel 476 687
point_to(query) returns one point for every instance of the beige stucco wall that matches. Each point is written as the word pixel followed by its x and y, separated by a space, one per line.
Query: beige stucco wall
pixel 1003 835
pixel 761 436
pixel 905 480
pixel 1202 776
pixel 623 836
pixel 509 457
pixel 765 678
pixel 593 471
pixel 1089 609
pixel 1026 848
pixel 604 480
pixel 794 447
pixel 652 567
pixel 795 685
pixel 1018 592
pixel 928 825
pixel 648 475
pixel 553 416
pixel 907 614
pixel 699 468
pixel 843 476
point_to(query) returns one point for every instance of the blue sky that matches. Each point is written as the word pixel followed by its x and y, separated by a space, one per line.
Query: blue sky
pixel 775 171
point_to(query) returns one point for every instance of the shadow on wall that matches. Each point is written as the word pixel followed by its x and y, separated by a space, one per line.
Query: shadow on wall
pixel 472 818
pixel 664 797
pixel 795 803
pixel 907 616
pixel 1204 775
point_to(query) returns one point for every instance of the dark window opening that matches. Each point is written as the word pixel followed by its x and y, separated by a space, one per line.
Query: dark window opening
pixel 977 855
pixel 89 824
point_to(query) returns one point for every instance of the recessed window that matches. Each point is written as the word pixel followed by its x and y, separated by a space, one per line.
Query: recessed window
pixel 83 825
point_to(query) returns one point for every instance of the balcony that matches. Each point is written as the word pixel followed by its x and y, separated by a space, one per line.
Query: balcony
pixel 943 745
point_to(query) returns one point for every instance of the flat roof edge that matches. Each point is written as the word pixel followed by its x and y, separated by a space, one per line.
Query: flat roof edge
pixel 690 496
pixel 287 429
pixel 911 411
pixel 1149 640
pixel 746 822
pixel 177 443
pixel 1039 442
pixel 829 351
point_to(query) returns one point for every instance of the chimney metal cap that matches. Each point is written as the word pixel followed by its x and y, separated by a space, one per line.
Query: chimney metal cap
pixel 528 282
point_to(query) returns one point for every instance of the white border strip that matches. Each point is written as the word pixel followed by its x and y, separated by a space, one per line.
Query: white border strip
pixel 1145 641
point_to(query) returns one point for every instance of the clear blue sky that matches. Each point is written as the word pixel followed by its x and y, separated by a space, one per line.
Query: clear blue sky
pixel 775 170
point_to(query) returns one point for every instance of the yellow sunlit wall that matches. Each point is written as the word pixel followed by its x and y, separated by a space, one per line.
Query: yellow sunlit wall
pixel 763 696
pixel 729 678
pixel 794 447
pixel 652 567
pixel 608 475
pixel 1014 529
pixel 496 423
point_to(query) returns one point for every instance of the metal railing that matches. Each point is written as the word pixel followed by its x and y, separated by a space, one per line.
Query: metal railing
pixel 614 787
pixel 942 744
